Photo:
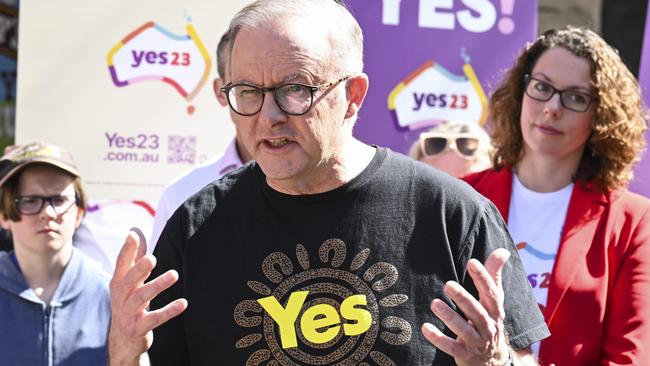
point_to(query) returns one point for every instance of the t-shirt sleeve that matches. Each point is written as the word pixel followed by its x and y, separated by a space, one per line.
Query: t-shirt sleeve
pixel 169 346
pixel 524 323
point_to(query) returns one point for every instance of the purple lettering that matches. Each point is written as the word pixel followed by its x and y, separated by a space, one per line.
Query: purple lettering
pixel 137 58
pixel 418 101
pixel 151 57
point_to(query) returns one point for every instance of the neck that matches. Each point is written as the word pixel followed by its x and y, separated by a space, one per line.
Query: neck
pixel 243 154
pixel 43 272
pixel 349 160
pixel 546 174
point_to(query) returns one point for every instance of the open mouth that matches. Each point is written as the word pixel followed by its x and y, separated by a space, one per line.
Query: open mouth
pixel 276 143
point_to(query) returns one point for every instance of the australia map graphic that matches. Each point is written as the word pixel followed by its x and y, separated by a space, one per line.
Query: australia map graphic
pixel 432 94
pixel 153 53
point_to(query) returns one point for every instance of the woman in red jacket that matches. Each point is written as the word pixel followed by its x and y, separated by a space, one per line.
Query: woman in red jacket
pixel 569 124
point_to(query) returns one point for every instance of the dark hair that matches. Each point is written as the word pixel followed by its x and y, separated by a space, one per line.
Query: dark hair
pixel 620 115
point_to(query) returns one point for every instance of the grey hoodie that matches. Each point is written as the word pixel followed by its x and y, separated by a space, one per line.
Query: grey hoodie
pixel 71 330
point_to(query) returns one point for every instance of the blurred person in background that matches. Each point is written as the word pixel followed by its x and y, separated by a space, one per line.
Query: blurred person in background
pixel 569 125
pixel 457 148
pixel 54 302
pixel 191 182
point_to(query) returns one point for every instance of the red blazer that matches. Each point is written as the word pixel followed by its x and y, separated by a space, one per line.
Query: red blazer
pixel 598 306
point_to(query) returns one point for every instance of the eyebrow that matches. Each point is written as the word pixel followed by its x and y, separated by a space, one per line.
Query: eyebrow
pixel 244 81
pixel 293 78
pixel 585 89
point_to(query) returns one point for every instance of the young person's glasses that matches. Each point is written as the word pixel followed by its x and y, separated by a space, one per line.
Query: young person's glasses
pixel 433 143
pixel 294 98
pixel 32 205
pixel 571 99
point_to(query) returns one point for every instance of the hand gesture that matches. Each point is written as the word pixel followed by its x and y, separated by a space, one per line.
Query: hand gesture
pixel 131 335
pixel 480 339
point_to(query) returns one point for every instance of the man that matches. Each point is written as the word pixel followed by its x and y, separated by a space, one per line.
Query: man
pixel 323 250
pixel 234 156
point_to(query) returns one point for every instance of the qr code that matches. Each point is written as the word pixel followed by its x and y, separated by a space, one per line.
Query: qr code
pixel 181 149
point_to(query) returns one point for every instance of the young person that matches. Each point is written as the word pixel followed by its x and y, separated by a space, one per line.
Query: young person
pixel 54 304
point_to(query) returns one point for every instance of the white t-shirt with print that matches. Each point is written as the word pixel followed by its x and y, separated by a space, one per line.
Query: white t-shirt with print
pixel 535 221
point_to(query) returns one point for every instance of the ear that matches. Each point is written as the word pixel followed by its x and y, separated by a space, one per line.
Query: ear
pixel 221 96
pixel 5 223
pixel 357 88
pixel 80 216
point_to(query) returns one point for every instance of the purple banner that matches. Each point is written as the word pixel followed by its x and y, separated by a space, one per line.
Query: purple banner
pixel 433 60
pixel 641 183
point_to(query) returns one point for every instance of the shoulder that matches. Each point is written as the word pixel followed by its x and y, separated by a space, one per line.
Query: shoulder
pixel 209 207
pixel 629 205
pixel 629 200
pixel 625 216
pixel 4 258
pixel 234 186
pixel 8 272
pixel 487 178
pixel 431 185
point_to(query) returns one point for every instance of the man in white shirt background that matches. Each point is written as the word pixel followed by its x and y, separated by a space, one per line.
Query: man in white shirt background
pixel 186 185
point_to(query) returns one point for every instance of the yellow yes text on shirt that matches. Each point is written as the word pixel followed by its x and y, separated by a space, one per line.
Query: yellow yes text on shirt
pixel 319 323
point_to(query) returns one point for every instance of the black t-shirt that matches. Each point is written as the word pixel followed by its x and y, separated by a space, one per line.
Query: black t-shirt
pixel 342 277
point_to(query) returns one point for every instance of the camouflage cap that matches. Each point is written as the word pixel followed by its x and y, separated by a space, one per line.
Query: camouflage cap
pixel 35 152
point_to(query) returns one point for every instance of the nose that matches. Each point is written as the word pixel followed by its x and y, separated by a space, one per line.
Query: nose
pixel 48 210
pixel 271 114
pixel 553 106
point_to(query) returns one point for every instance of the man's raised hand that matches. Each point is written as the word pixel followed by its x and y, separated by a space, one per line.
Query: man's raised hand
pixel 132 324
pixel 480 338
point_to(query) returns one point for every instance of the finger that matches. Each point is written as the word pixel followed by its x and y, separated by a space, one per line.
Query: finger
pixel 126 258
pixel 155 318
pixel 140 271
pixel 473 310
pixel 490 295
pixel 439 340
pixel 142 248
pixel 144 294
pixel 456 323
pixel 495 262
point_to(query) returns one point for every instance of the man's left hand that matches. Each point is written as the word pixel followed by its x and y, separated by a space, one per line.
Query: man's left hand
pixel 480 338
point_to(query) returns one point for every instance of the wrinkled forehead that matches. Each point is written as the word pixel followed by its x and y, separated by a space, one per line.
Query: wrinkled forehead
pixel 297 49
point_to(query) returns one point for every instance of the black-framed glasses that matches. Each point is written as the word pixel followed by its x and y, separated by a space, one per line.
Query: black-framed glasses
pixel 293 98
pixel 432 143
pixel 32 205
pixel 571 99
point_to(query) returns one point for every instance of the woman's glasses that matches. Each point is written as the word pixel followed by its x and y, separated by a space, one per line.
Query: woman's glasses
pixel 433 143
pixel 571 99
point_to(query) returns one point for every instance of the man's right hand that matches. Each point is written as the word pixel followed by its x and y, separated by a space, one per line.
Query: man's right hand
pixel 132 324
